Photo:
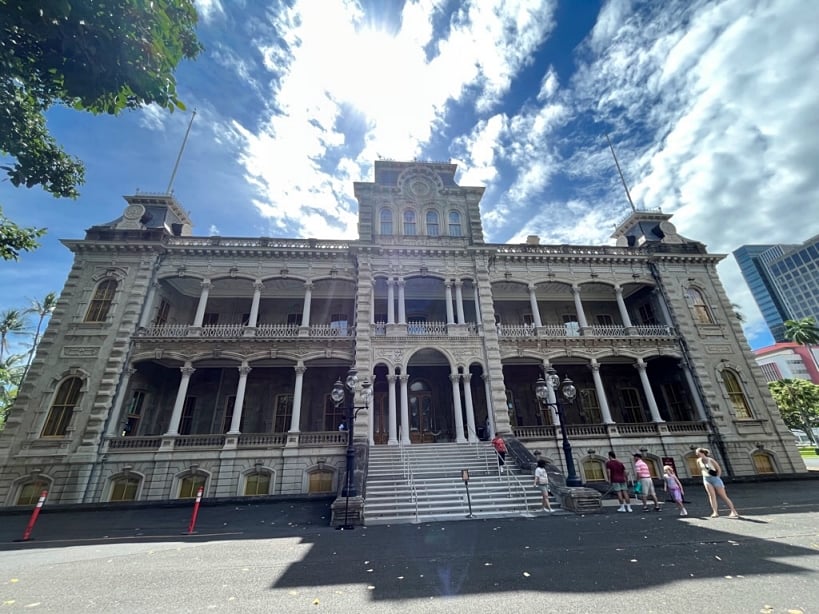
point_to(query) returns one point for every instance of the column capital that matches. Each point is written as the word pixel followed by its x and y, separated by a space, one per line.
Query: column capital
pixel 618 288
pixel 531 287
pixel 576 288
pixel 458 283
pixel 391 378
pixel 594 365
pixel 467 377
pixel 244 370
pixel 308 285
pixel 454 377
pixel 258 286
pixel 300 369
pixel 640 365
pixel 401 282
pixel 206 284
pixel 187 370
pixel 403 378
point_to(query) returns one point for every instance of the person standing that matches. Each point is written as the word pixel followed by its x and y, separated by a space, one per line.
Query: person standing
pixel 542 482
pixel 619 482
pixel 712 480
pixel 500 449
pixel 643 474
pixel 674 488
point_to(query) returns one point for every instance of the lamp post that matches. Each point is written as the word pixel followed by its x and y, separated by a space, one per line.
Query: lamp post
pixel 568 392
pixel 348 390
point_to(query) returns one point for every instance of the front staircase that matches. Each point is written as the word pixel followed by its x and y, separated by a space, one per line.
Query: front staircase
pixel 423 483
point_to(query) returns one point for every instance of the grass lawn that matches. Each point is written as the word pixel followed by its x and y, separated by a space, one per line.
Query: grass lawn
pixel 807 452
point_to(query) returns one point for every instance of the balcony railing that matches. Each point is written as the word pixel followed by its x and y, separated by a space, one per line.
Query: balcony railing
pixel 217 440
pixel 277 330
pixel 523 331
pixel 625 429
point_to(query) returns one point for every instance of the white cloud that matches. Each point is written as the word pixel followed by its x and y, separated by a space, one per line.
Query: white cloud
pixel 208 10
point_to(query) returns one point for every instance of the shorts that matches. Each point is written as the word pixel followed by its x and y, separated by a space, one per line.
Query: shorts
pixel 675 494
pixel 647 485
pixel 713 480
pixel 544 488
pixel 619 486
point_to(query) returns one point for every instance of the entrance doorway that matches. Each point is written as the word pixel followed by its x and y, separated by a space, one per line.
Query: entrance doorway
pixel 423 427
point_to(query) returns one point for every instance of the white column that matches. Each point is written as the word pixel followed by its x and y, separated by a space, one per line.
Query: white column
pixel 116 422
pixel 551 398
pixel 477 305
pixel 181 394
pixel 405 423
pixel 390 301
pixel 601 392
pixel 402 306
pixel 393 418
pixel 472 433
pixel 203 304
pixel 534 307
pixel 652 403
pixel 455 378
pixel 578 305
pixel 253 319
pixel 459 301
pixel 239 403
pixel 692 390
pixel 450 317
pixel 621 305
pixel 148 309
pixel 490 412
pixel 308 301
pixel 295 417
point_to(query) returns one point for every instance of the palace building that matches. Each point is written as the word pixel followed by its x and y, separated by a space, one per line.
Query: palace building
pixel 175 361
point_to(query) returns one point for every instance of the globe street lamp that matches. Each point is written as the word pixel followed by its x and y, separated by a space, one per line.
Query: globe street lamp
pixel 348 390
pixel 568 392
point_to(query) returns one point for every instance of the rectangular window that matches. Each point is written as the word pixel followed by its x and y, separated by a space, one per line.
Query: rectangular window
pixel 590 406
pixel 333 414
pixel 133 413
pixel 320 481
pixel 162 313
pixel 646 312
pixel 605 320
pixel 30 493
pixel 593 470
pixel 124 490
pixel 228 413
pixel 294 319
pixel 632 405
pixel 186 422
pixel 283 413
pixel 676 401
pixel 190 485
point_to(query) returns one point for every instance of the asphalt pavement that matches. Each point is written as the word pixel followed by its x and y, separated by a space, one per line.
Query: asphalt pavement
pixel 283 557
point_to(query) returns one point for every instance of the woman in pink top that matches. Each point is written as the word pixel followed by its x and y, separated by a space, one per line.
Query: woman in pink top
pixel 643 474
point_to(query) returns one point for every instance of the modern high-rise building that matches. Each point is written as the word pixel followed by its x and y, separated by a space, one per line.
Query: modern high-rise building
pixel 784 281
pixel 176 362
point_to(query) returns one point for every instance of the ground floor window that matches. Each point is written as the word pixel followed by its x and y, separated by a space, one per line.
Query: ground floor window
pixel 189 485
pixel 124 489
pixel 320 482
pixel 763 463
pixel 30 493
pixel 593 470
pixel 257 484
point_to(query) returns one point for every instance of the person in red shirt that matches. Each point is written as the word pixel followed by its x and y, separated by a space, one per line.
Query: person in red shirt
pixel 500 448
pixel 619 482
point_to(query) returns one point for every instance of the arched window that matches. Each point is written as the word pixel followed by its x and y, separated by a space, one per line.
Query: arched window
pixel 124 488
pixel 62 408
pixel 593 470
pixel 409 223
pixel 739 402
pixel 257 483
pixel 432 224
pixel 29 493
pixel 190 484
pixel 702 315
pixel 763 463
pixel 454 224
pixel 693 467
pixel 386 222
pixel 101 303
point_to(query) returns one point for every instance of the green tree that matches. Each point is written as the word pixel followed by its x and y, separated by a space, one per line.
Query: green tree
pixel 11 374
pixel 798 402
pixel 804 332
pixel 103 57
pixel 12 322
pixel 43 309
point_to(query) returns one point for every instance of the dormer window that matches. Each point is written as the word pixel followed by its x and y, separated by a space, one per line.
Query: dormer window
pixel 409 223
pixel 432 224
pixel 386 222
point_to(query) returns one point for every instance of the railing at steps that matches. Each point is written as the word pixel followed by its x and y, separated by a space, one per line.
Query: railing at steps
pixel 406 469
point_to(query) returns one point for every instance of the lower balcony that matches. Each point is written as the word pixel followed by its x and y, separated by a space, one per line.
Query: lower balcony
pixel 217 441
pixel 593 431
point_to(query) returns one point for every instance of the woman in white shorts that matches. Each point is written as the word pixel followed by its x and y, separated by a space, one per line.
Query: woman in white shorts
pixel 712 480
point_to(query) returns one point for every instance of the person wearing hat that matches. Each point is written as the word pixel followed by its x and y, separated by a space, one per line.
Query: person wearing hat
pixel 642 472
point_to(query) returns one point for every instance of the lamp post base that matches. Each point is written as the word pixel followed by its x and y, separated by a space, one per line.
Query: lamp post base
pixel 347 512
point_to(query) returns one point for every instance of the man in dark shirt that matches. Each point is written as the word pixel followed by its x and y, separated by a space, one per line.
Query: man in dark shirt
pixel 619 482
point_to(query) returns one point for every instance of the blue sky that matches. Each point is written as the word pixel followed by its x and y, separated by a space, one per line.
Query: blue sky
pixel 713 109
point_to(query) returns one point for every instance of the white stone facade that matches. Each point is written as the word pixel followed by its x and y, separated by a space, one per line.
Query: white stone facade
pixel 174 362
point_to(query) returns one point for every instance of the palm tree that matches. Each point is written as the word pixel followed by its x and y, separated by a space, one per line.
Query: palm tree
pixel 804 332
pixel 43 309
pixel 10 376
pixel 12 322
